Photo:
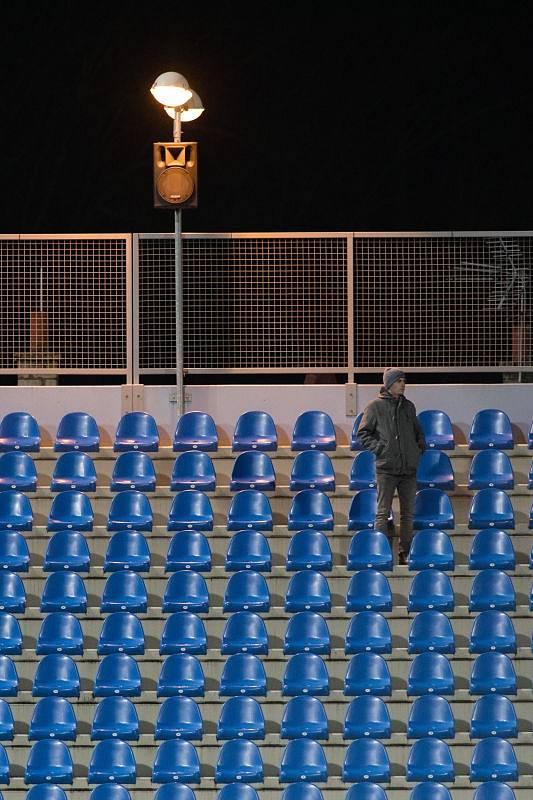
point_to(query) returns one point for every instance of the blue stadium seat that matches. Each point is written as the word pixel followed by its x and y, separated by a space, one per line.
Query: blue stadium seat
pixel 195 430
pixel 112 760
pixel 60 633
pixel 7 723
pixel 493 672
pixel 124 591
pixel 246 590
pixel 363 471
pixel 430 673
pixel 15 511
pixel 193 470
pixel 67 550
pixel 313 430
pixel 304 716
pixel 490 428
pixel 248 549
pixel 47 791
pixel 17 471
pixel 115 717
pixel 303 760
pixel 56 674
pixel 254 430
pixel 367 716
pixel 308 590
pixel 305 673
pixel 49 761
pixel 130 510
pixel 355 443
pixel 136 430
pixel 362 511
pixel 239 760
pixel 366 760
pixel 429 790
pixel 241 718
pixel 64 591
pixel 492 548
pixel 369 549
pixel 491 508
pixel 530 523
pixel 122 632
pixel 491 469
pixel 70 510
pixel 367 673
pixel 9 682
pixel 183 632
pixel 250 509
pixel 309 549
pixel 493 715
pixel 529 477
pixel 252 470
pixel 431 549
pixel 19 431
pixel 179 718
pixel 77 431
pixel 369 590
pixel 435 471
pixel 431 588
pixel 494 759
pixel 172 791
pixel 74 470
pixel 430 759
pixel 10 635
pixel 106 791
pixel 494 790
pixel 133 470
pixel 4 766
pixel 181 674
pixel 301 791
pixel 14 553
pixel 53 718
pixel 117 674
pixel 127 550
pixel 366 791
pixel 176 760
pixel 310 508
pixel 492 588
pixel 186 591
pixel 244 632
pixel 188 550
pixel 368 631
pixel 492 630
pixel 437 428
pixel 307 632
pixel 243 674
pixel 431 630
pixel 312 469
pixel 190 509
pixel 430 715
pixel 12 593
pixel 433 509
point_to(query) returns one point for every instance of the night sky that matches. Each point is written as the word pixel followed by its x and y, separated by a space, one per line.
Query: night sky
pixel 387 116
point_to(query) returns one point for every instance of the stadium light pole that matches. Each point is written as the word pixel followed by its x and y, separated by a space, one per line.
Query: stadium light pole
pixel 182 104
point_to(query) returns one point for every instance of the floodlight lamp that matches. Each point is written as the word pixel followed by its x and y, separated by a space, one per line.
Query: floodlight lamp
pixel 192 109
pixel 171 89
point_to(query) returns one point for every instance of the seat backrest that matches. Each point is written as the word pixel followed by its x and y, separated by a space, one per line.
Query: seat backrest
pixel 254 424
pixel 250 508
pixel 246 589
pixel 492 630
pixel 367 715
pixel 181 674
pixel 19 431
pixel 367 673
pixel 303 759
pixel 369 548
pixel 174 791
pixel 252 464
pixel 366 791
pixel 188 549
pixel 186 591
pixel 307 632
pixel 74 464
pixel 67 550
pixel 16 464
pixel 492 588
pixel 137 425
pixel 430 672
pixel 437 428
pixel 492 547
pixel 237 791
pixel 248 549
pixel 308 590
pixel 309 549
pixel 110 791
pixel 183 632
pixel 179 716
pixel 77 426
pixel 112 759
pixel 430 715
pixel 46 791
pixel 366 758
pixel 312 508
pixel 50 717
pixel 431 588
pixel 243 674
pixel 369 589
pixel 191 465
pixel 490 427
pixel 490 713
pixel 430 790
pixel 368 631
pixel 9 682
pixel 313 429
pixel 127 550
pixel 190 509
pixel 49 757
pixel 431 630
pixel 195 430
pixel 431 548
pixel 12 592
pixel 244 631
pixel 127 504
pixel 121 631
pixel 494 790
pixel 494 758
pixel 241 717
pixel 493 672
pixel 304 715
pixel 176 759
pixel 362 511
pixel 239 760
pixel 305 673
pixel 64 590
pixel 56 674
pixel 14 552
pixel 114 715
pixel 60 632
pixel 429 758
pixel 122 590
pixel 312 464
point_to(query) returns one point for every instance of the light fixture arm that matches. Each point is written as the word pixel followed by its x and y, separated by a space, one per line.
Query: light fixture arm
pixel 177 125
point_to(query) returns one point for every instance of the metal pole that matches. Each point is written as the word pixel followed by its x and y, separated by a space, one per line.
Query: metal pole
pixel 178 288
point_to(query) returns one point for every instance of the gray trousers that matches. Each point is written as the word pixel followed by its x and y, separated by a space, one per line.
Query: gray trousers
pixel 406 487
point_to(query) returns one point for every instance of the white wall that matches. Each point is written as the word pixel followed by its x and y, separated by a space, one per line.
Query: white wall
pixel 284 403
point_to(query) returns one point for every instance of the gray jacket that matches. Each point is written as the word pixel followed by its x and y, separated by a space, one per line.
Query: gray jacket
pixel 390 429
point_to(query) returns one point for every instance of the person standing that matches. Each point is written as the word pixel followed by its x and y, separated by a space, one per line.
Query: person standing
pixel 389 428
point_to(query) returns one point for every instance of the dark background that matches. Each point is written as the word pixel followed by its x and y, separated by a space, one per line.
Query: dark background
pixel 387 116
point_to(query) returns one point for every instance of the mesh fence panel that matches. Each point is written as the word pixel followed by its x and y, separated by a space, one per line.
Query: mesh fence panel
pixel 248 303
pixel 461 301
pixel 63 304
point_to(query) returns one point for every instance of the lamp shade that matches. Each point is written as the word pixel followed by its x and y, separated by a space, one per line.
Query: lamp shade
pixel 171 89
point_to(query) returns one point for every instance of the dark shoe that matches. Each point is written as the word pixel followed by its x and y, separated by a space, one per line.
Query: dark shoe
pixel 402 558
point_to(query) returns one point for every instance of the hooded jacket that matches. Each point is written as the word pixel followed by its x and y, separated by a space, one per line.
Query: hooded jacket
pixel 390 429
